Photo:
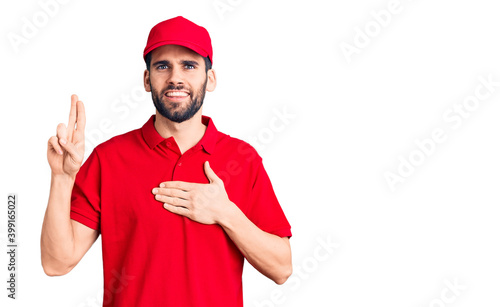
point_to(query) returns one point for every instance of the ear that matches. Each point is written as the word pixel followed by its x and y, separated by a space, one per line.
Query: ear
pixel 212 80
pixel 147 81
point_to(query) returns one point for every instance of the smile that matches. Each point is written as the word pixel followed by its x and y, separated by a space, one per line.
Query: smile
pixel 176 94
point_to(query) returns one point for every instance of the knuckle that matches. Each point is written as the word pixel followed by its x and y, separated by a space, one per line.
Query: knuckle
pixel 195 198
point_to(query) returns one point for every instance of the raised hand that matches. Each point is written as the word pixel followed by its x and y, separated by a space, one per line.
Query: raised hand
pixel 65 150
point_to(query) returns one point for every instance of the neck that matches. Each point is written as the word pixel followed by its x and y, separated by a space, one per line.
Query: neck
pixel 186 134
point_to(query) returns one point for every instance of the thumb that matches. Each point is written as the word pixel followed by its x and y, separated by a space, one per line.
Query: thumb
pixel 210 173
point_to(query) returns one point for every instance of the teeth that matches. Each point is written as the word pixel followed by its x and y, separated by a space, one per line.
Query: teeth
pixel 177 94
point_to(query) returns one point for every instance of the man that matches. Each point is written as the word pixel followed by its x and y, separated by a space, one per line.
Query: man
pixel 178 204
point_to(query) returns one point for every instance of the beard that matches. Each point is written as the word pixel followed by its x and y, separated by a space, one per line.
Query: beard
pixel 174 111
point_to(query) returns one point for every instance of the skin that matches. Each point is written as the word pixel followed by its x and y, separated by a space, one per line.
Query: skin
pixel 65 241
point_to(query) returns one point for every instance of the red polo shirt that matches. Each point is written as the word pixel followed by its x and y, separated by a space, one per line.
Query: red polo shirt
pixel 153 257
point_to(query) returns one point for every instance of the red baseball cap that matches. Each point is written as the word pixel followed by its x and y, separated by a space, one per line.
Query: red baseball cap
pixel 180 31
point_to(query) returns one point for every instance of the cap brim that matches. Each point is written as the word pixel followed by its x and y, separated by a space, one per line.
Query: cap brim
pixel 189 45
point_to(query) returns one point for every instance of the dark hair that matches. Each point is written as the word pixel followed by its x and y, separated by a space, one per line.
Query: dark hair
pixel 208 63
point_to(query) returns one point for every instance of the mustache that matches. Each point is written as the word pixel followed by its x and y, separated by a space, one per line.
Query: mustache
pixel 171 87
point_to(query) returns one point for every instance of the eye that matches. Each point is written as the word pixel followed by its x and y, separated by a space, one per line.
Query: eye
pixel 161 67
pixel 189 66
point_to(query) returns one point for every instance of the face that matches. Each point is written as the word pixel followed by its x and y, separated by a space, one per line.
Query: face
pixel 177 81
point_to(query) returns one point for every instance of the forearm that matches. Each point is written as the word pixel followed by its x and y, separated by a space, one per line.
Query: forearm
pixel 268 253
pixel 57 240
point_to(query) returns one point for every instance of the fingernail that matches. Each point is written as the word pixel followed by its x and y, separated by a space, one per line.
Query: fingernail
pixel 63 141
pixel 155 191
pixel 157 196
pixel 162 185
pixel 60 152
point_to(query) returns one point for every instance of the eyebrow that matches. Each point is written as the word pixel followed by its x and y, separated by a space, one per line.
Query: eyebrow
pixel 192 63
pixel 163 62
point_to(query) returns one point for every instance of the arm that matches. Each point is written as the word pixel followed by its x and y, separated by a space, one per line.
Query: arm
pixel 209 204
pixel 268 253
pixel 63 241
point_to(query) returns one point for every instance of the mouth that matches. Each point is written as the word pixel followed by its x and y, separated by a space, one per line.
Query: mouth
pixel 176 95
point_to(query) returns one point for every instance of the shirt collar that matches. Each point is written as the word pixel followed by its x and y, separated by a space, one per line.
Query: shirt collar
pixel 208 141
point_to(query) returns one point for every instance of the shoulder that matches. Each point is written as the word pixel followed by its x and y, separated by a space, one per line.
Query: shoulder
pixel 125 141
pixel 238 149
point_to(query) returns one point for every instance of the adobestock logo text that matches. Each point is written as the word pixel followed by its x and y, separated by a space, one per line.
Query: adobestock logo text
pixel 453 118
pixel 30 27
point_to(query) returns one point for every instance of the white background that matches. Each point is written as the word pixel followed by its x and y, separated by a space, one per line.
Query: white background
pixel 351 121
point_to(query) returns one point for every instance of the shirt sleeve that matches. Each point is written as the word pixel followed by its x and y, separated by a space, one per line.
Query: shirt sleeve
pixel 265 211
pixel 86 194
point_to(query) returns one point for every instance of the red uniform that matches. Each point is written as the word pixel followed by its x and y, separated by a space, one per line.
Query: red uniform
pixel 153 257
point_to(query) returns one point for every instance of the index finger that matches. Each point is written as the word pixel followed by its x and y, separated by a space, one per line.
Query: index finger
pixel 72 117
pixel 181 185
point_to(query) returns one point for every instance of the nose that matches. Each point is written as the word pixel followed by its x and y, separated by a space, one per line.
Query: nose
pixel 175 77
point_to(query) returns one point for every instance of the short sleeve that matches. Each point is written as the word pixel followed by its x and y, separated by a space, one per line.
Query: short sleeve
pixel 265 211
pixel 86 194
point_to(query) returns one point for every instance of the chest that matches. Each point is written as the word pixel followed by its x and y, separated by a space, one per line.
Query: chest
pixel 127 201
